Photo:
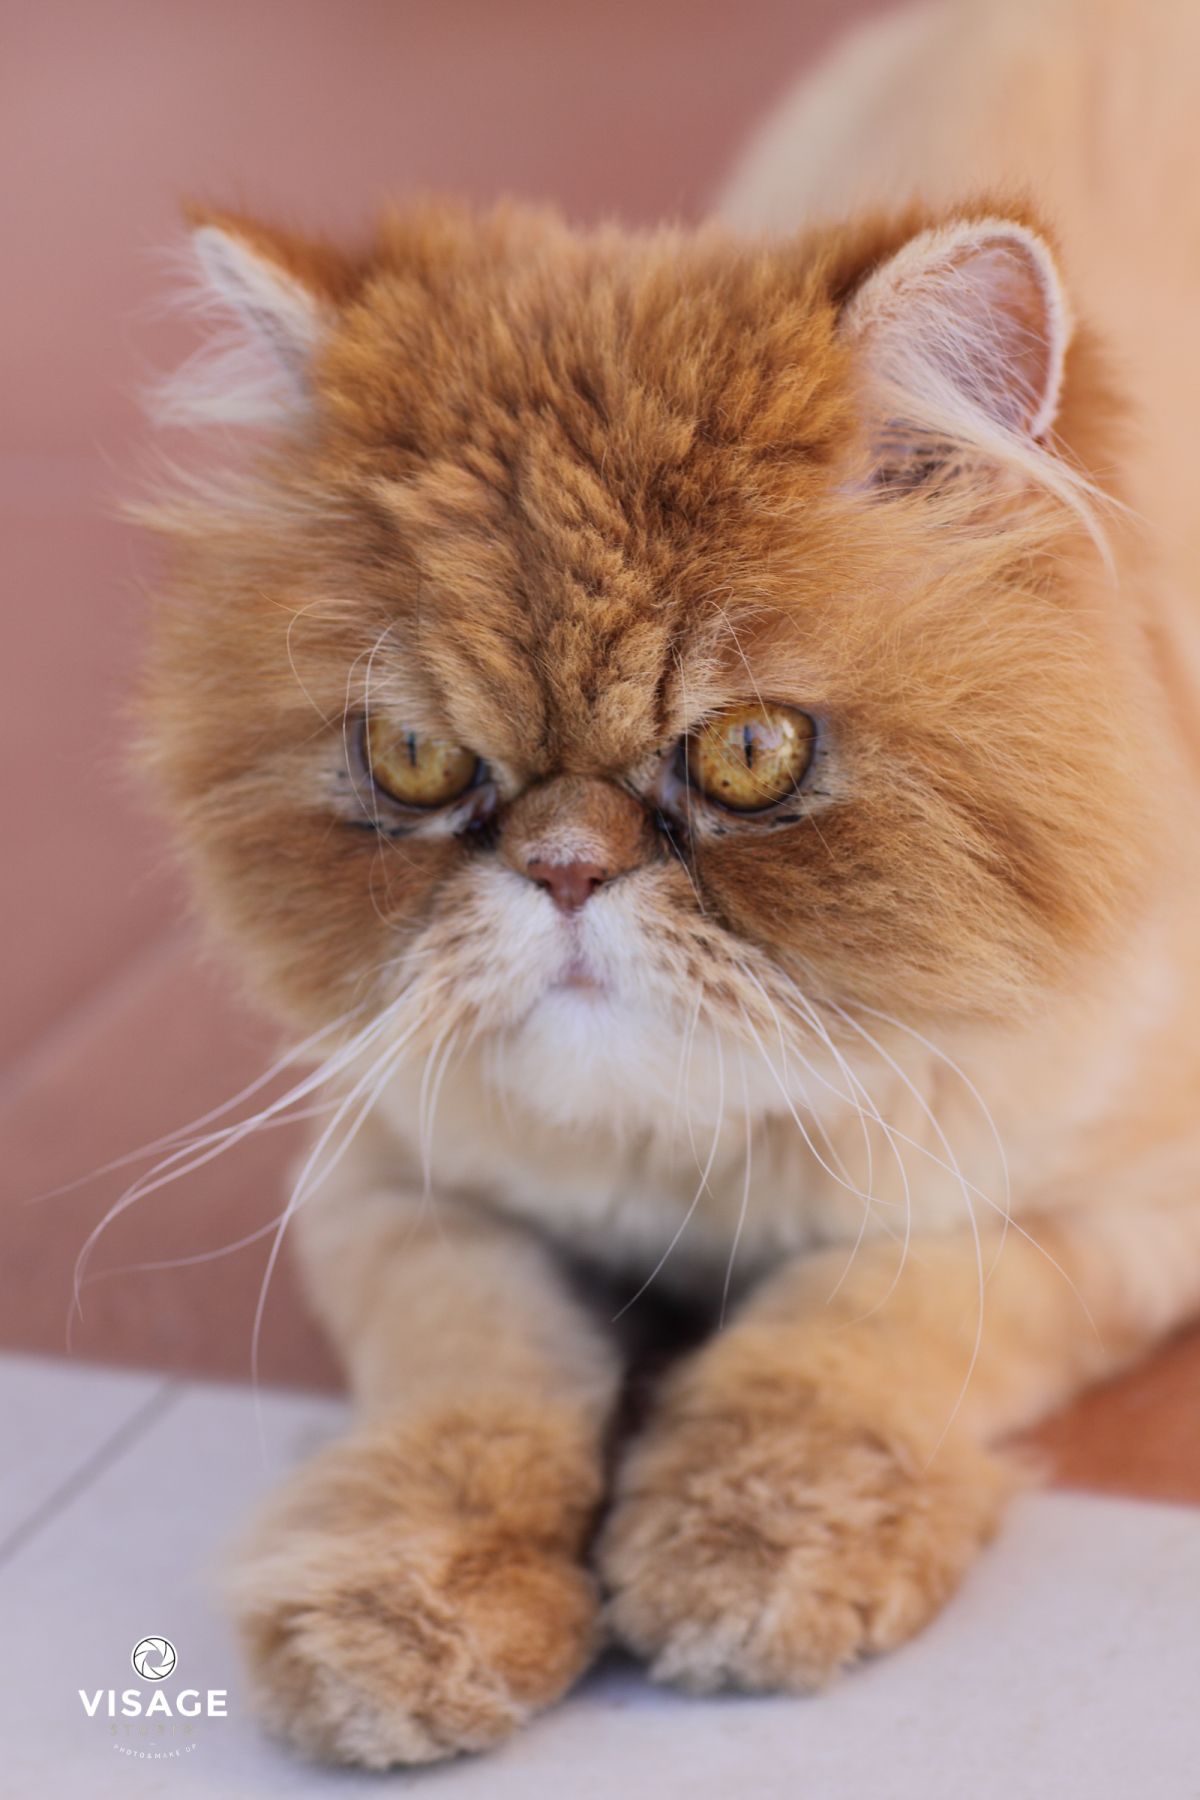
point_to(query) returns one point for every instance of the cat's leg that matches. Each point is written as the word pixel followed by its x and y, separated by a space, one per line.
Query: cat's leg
pixel 819 1476
pixel 421 1589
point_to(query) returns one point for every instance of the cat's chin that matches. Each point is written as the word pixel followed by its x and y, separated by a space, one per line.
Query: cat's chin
pixel 579 978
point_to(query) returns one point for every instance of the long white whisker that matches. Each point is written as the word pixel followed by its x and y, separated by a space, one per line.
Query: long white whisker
pixel 1009 1222
pixel 375 1079
pixel 702 1187
pixel 688 1118
pixel 981 1103
pixel 170 1138
pixel 857 1095
pixel 213 1144
pixel 927 1110
pixel 429 1101
pixel 818 1122
pixel 895 1136
pixel 850 1187
pixel 744 1207
pixel 299 613
pixel 186 1262
pixel 203 1256
pixel 683 1074
pixel 865 1108
pixel 810 1016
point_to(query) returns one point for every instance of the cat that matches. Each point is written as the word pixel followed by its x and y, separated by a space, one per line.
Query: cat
pixel 698 728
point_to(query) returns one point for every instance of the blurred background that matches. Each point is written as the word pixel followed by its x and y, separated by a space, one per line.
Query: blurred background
pixel 116 1025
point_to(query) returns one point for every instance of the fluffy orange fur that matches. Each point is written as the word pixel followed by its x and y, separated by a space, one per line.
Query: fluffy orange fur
pixel 893 1083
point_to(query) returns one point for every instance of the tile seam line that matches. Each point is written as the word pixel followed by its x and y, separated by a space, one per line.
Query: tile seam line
pixel 131 1431
pixel 24 1067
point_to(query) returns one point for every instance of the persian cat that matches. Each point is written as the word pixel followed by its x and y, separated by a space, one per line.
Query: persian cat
pixel 697 732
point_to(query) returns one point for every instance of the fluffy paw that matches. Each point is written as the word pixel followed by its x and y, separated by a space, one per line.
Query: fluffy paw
pixel 406 1601
pixel 765 1552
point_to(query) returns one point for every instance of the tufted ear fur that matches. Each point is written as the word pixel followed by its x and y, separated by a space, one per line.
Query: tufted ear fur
pixel 962 336
pixel 266 300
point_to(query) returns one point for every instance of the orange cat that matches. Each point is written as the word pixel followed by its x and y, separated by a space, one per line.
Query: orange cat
pixel 698 729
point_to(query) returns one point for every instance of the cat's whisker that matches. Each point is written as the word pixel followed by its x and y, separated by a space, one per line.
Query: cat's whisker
pixel 169 1139
pixel 688 1114
pixel 431 1087
pixel 893 1133
pixel 867 1113
pixel 196 1257
pixel 298 613
pixel 348 712
pixel 895 1136
pixel 202 1256
pixel 744 1208
pixel 865 1108
pixel 701 1188
pixel 195 1154
pixel 314 1172
pixel 850 1187
pixel 870 1202
pixel 981 1103
pixel 202 1150
pixel 810 1017
pixel 818 1122
pixel 855 1247
pixel 683 1075
pixel 854 1094
pixel 977 1241
pixel 1009 1222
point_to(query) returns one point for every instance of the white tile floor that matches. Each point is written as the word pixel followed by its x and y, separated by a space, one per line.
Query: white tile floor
pixel 1069 1666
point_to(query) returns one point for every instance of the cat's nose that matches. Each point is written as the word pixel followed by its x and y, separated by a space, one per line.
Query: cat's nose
pixel 569 884
pixel 570 834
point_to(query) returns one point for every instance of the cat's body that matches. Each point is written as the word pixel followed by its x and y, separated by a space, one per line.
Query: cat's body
pixel 902 1080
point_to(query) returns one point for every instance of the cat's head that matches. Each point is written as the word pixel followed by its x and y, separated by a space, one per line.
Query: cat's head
pixel 609 637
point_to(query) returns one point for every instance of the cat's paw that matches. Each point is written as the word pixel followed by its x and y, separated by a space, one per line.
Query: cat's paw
pixel 390 1615
pixel 405 1657
pixel 766 1553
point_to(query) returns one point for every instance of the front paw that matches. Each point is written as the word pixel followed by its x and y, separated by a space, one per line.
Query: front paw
pixel 766 1551
pixel 413 1596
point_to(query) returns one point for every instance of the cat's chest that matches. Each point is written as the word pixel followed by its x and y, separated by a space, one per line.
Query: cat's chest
pixel 685 1201
pixel 682 1226
pixel 684 1207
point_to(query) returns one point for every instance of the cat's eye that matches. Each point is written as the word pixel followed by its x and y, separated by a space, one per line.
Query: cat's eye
pixel 750 757
pixel 417 770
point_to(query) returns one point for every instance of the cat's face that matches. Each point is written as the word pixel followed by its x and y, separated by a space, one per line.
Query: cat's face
pixel 612 652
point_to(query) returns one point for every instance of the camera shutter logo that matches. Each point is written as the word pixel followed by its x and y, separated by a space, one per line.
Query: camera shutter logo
pixel 153 1658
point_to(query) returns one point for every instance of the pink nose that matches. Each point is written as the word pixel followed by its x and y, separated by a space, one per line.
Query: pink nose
pixel 570 885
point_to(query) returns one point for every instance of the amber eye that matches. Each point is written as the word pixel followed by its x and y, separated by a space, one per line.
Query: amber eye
pixel 751 757
pixel 417 770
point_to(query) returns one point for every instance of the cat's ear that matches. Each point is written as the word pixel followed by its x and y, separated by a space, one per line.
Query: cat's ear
pixel 266 301
pixel 961 338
